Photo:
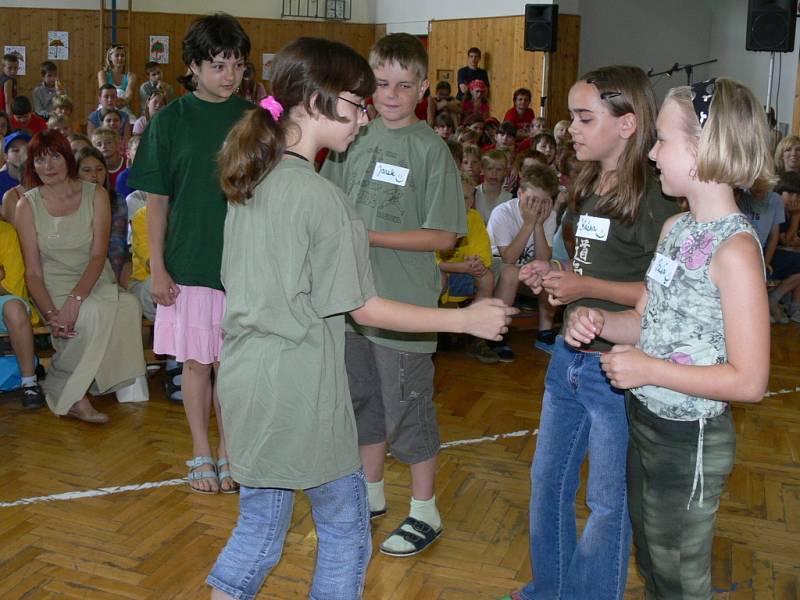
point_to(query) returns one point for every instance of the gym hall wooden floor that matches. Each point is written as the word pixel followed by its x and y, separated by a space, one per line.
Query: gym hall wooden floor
pixel 158 540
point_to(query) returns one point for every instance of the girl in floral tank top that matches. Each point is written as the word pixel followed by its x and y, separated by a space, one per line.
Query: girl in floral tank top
pixel 701 331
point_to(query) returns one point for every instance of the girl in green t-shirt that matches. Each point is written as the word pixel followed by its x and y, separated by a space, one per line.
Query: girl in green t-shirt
pixel 295 261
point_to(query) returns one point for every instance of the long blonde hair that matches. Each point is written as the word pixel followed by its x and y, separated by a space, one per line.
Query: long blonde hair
pixel 107 64
pixel 783 146
pixel 625 90
pixel 311 72
pixel 733 146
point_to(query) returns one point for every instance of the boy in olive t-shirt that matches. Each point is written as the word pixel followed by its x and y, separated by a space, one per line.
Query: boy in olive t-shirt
pixel 405 186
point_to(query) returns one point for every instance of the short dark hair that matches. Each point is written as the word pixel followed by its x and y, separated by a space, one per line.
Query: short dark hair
pixel 11 58
pixel 507 128
pixel 444 85
pixel 151 66
pixel 106 86
pixel 109 111
pixel 521 91
pixel 48 66
pixel 21 105
pixel 543 135
pixel 474 50
pixel 444 120
pixel 214 34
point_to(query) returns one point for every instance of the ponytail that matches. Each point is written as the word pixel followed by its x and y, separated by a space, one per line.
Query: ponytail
pixel 252 149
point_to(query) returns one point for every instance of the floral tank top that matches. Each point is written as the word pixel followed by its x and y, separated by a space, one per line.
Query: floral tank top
pixel 682 321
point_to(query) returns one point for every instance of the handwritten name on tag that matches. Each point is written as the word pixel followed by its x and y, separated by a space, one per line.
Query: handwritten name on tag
pixel 390 174
pixel 662 269
pixel 593 228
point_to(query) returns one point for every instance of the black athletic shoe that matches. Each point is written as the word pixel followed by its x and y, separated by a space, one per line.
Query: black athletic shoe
pixel 33 397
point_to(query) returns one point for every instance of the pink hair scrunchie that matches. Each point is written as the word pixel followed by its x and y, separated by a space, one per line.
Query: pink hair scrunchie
pixel 272 106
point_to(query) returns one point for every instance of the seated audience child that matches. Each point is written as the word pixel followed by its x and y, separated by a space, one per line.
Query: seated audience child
pixel 16 316
pixel 467 136
pixel 522 160
pixel 456 151
pixel 786 260
pixel 490 129
pixel 471 162
pixel 477 123
pixel 522 230
pixel 62 106
pixel 8 81
pixel 443 102
pixel 121 186
pixel 521 114
pixel 60 124
pixel 154 83
pixel 92 168
pixel 505 139
pixel 95 326
pixel 466 269
pixel 545 143
pixel 22 116
pixel 15 149
pixel 109 143
pixel 108 101
pixel 44 93
pixel 444 126
pixel 490 193
pixel 477 101
pixel 78 141
pixel 155 102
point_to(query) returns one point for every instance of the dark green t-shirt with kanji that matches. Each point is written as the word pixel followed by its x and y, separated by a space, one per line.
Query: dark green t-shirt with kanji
pixel 609 249
pixel 177 157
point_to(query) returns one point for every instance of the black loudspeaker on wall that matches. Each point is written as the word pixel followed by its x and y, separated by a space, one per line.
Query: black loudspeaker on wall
pixel 771 24
pixel 541 27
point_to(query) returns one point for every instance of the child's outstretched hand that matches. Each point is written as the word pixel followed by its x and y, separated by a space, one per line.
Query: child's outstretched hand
pixel 563 287
pixel 532 274
pixel 626 366
pixel 583 326
pixel 488 319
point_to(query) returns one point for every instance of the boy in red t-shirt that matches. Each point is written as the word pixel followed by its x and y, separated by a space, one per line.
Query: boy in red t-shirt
pixel 23 117
pixel 521 113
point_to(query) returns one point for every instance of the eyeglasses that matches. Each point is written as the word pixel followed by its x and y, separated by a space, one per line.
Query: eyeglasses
pixel 360 107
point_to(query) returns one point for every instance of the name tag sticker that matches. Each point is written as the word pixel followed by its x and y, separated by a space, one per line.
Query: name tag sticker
pixel 662 269
pixel 593 228
pixel 390 174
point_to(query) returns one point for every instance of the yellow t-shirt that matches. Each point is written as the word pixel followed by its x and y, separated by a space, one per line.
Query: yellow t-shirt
pixel 475 243
pixel 13 266
pixel 140 250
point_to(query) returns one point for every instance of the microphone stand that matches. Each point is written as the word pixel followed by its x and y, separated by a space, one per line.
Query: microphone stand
pixel 688 68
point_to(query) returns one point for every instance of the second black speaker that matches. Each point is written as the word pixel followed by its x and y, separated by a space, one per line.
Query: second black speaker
pixel 771 25
pixel 541 27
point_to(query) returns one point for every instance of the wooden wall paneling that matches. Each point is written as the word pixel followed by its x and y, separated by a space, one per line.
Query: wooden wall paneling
pixel 563 68
pixel 90 36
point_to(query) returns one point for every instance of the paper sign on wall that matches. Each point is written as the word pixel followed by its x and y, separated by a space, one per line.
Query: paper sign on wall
pixel 21 55
pixel 58 45
pixel 159 49
pixel 266 66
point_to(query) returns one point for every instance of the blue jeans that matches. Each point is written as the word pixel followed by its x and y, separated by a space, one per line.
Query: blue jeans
pixel 341 516
pixel 580 412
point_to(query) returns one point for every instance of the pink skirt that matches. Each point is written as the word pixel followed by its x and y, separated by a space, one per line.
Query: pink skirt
pixel 190 328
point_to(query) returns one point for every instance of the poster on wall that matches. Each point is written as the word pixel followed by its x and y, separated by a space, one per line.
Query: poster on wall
pixel 159 49
pixel 266 66
pixel 21 55
pixel 58 45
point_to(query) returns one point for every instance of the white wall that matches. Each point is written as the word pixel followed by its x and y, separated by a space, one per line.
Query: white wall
pixel 412 16
pixel 728 32
pixel 363 11
pixel 646 33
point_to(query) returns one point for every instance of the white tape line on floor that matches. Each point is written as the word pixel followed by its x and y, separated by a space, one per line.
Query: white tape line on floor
pixel 119 489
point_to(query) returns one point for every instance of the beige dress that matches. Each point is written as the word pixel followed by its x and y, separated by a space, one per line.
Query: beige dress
pixel 107 354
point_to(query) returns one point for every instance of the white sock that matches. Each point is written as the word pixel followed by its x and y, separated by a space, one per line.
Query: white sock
pixel 29 381
pixel 377 499
pixel 422 510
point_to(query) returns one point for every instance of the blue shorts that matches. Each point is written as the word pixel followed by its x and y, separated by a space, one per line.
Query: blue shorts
pixel 461 285
pixel 6 298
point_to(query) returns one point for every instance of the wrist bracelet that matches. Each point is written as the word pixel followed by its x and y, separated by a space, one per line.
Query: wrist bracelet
pixel 79 299
pixel 557 264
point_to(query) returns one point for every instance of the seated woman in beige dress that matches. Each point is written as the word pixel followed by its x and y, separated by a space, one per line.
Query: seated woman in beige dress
pixel 64 225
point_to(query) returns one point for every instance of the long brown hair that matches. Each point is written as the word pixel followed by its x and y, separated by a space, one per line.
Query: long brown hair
pixel 624 89
pixel 311 72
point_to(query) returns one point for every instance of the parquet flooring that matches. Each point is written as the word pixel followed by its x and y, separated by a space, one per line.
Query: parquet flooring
pixel 159 543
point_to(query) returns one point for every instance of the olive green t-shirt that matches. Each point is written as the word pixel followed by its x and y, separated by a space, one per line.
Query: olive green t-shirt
pixel 611 250
pixel 177 157
pixel 295 260
pixel 401 180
